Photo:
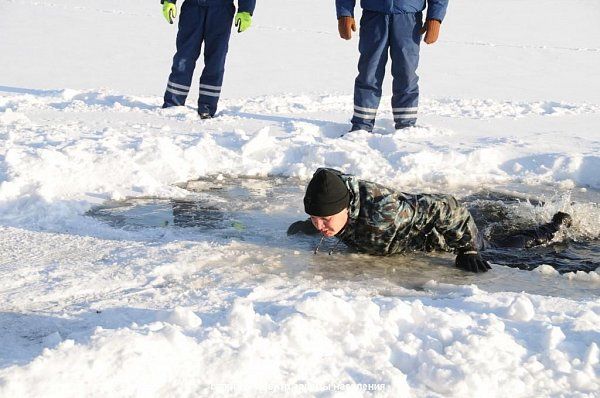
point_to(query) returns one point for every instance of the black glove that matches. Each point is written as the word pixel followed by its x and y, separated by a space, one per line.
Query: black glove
pixel 305 227
pixel 471 261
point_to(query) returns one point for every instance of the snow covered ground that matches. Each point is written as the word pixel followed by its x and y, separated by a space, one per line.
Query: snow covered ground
pixel 510 97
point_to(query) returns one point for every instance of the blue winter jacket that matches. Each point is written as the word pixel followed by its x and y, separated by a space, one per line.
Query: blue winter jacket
pixel 436 9
pixel 243 5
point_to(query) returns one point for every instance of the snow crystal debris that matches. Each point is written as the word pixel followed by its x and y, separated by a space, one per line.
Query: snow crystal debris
pixel 554 336
pixel 52 339
pixel 9 117
pixel 592 276
pixel 184 317
pixel 592 355
pixel 521 309
pixel 546 269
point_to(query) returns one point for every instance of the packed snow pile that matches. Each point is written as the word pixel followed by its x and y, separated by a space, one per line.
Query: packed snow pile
pixel 462 342
pixel 190 318
pixel 146 150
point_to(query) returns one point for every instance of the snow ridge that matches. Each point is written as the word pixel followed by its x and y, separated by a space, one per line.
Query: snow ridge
pixel 60 145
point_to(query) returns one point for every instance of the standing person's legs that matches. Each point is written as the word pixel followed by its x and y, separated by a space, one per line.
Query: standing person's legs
pixel 405 37
pixel 189 40
pixel 373 47
pixel 216 44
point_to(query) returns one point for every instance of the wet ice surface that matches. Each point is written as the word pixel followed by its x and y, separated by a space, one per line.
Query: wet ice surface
pixel 258 211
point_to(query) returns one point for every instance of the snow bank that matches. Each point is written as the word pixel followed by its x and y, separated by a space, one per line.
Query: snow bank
pixel 475 344
pixel 114 146
pixel 592 276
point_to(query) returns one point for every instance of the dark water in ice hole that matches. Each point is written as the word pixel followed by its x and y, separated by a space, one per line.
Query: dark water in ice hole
pixel 259 210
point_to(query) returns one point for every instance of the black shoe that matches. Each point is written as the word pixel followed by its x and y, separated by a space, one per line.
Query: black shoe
pixel 356 127
pixel 205 115
pixel 403 126
pixel 560 219
pixel 353 128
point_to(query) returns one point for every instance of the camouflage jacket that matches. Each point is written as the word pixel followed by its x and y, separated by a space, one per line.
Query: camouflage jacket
pixel 383 221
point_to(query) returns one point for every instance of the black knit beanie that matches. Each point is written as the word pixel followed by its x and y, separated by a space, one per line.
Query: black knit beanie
pixel 326 194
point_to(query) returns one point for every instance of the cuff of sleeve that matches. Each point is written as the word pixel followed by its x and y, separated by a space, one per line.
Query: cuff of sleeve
pixel 343 12
pixel 466 250
pixel 436 14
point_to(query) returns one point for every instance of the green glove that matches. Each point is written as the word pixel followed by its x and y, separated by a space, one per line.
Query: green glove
pixel 243 20
pixel 169 11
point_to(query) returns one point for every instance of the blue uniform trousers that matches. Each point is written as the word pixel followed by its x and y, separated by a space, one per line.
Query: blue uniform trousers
pixel 200 24
pixel 400 35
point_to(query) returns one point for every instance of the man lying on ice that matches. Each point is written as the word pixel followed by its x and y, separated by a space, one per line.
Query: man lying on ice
pixel 378 220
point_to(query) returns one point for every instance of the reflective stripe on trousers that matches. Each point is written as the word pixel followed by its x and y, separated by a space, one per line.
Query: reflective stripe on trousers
pixel 398 34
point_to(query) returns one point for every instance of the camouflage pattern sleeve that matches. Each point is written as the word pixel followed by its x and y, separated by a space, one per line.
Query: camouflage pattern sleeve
pixel 451 220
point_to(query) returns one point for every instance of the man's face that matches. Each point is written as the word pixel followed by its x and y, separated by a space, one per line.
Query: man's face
pixel 330 225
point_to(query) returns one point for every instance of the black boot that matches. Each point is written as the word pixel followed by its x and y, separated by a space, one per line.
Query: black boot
pixel 205 115
pixel 399 126
pixel 560 219
pixel 540 235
